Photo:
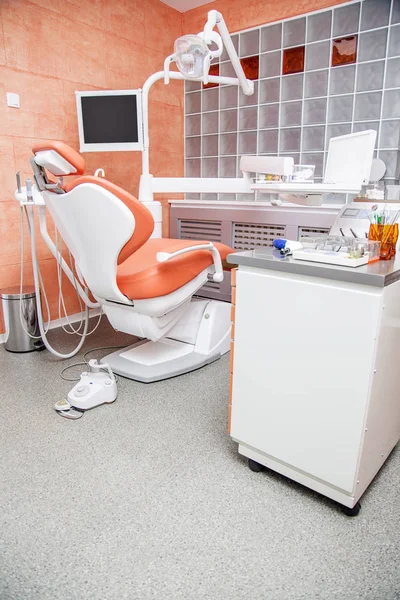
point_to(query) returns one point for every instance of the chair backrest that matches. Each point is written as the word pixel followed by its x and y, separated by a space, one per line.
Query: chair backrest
pixel 101 223
pixel 59 158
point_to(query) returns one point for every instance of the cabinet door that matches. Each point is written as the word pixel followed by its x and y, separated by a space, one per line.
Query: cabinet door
pixel 304 350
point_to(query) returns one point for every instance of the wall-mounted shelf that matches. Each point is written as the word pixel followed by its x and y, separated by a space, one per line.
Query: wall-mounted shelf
pixel 303 188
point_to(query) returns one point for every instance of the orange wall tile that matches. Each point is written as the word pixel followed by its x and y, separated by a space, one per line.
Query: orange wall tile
pixel 48 50
pixel 2 47
pixel 7 167
pixel 122 18
pixel 66 49
pixel 168 94
pixel 163 137
pixel 130 63
pixel 41 112
pixel 160 25
pixel 9 232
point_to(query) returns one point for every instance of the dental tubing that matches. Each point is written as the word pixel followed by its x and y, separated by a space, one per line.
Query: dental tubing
pixel 36 279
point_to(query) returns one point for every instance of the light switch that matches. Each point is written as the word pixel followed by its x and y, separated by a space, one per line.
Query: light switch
pixel 12 100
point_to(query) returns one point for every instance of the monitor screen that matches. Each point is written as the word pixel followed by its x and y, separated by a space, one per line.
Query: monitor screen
pixel 109 120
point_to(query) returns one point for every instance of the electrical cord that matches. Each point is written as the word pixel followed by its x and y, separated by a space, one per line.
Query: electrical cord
pixel 86 362
pixel 61 301
pixel 38 299
pixel 70 367
pixel 40 288
pixel 101 348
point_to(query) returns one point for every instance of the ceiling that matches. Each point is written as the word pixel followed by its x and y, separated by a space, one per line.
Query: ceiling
pixel 185 5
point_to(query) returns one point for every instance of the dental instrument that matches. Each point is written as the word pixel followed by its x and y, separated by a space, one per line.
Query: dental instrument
pixel 347 243
pixel 338 250
pixel 358 216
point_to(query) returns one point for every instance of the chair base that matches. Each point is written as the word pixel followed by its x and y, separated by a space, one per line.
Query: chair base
pixel 147 361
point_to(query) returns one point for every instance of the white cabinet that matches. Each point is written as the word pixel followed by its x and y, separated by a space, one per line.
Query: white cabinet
pixel 316 389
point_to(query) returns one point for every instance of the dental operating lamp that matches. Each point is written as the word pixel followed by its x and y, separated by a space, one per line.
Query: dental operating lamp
pixel 193 55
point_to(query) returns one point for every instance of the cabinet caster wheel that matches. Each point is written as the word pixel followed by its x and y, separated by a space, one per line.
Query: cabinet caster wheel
pixel 255 466
pixel 352 512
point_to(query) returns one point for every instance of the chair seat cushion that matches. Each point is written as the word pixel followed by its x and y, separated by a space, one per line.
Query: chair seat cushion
pixel 141 276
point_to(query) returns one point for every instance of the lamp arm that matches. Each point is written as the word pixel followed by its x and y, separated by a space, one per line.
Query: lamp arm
pixel 246 85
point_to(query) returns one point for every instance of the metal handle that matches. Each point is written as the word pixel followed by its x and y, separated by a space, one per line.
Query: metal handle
pixel 29 195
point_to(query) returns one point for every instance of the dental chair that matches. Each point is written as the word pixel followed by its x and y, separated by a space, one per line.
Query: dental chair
pixel 144 285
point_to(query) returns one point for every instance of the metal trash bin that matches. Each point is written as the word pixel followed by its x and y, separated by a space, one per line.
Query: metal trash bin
pixel 17 340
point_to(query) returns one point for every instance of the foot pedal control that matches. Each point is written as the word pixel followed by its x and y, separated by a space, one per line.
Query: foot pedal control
pixel 64 409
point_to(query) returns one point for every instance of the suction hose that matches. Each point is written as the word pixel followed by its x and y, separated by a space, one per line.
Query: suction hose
pixel 31 221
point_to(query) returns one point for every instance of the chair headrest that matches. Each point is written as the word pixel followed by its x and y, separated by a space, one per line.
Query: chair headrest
pixel 59 159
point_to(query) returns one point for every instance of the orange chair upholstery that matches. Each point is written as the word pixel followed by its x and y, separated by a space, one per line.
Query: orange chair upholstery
pixel 66 152
pixel 141 276
pixel 144 285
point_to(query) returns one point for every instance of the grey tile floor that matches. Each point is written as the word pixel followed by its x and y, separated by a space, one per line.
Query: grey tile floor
pixel 147 498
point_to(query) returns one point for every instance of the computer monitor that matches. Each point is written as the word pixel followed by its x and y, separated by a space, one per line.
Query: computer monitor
pixel 110 120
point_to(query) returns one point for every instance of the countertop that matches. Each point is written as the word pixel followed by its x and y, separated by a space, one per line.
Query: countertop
pixel 378 274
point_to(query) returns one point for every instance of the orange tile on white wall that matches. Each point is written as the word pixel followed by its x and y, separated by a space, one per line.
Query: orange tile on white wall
pixel 2 46
pixel 83 55
pixel 41 114
pixel 167 94
pixel 7 169
pixel 67 49
pixel 162 136
pixel 165 217
pixel 122 18
pixel 9 233
pixel 10 276
pixel 129 64
pixel 162 26
pixel 21 23
pixel 122 168
pixel 166 164
pixel 125 18
pixel 10 247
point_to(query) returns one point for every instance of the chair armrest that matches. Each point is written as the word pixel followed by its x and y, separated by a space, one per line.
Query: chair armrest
pixel 218 275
